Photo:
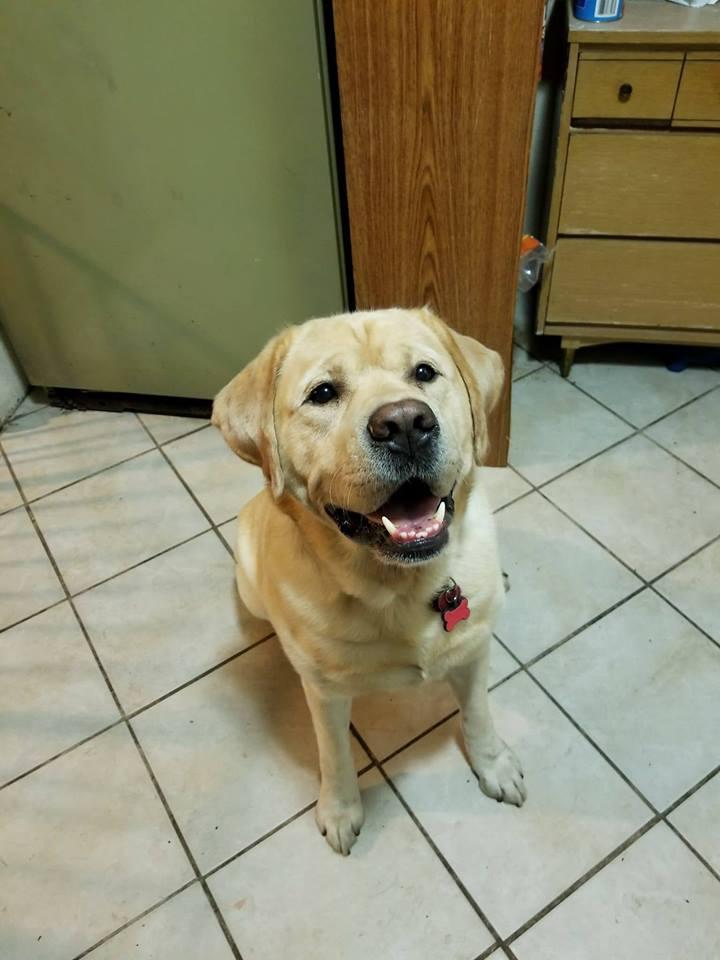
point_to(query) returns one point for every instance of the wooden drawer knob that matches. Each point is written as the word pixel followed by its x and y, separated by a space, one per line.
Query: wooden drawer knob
pixel 625 92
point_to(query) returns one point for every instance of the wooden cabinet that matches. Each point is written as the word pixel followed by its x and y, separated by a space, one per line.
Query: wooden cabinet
pixel 436 106
pixel 635 212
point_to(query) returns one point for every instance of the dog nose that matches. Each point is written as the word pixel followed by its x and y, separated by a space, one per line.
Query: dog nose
pixel 404 426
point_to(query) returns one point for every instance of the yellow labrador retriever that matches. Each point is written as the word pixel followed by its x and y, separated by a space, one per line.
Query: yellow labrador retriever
pixel 372 548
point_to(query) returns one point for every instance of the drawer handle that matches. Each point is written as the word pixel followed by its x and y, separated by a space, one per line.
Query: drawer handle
pixel 625 92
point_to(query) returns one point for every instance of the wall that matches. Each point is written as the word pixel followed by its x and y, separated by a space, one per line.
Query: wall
pixel 12 382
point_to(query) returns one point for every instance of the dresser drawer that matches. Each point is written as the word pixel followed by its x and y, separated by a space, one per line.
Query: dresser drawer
pixel 664 184
pixel 630 89
pixel 636 283
pixel 699 94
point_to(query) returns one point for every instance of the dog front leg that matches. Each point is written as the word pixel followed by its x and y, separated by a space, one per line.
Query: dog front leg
pixel 339 812
pixel 496 766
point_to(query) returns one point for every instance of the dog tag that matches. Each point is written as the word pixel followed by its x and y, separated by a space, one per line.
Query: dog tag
pixel 452 606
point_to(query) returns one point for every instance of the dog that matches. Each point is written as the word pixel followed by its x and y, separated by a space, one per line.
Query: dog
pixel 372 548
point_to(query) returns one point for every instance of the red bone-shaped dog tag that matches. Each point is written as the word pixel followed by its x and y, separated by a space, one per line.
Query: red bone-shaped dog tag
pixel 452 606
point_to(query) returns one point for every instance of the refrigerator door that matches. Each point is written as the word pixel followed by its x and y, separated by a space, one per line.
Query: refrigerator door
pixel 167 196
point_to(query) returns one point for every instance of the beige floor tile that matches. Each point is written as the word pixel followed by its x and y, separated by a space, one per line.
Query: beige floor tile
pixel 184 928
pixel 51 690
pixel 522 362
pixel 221 481
pixel 560 578
pixel 643 683
pixel 693 435
pixel 641 392
pixel 86 846
pixel 502 485
pixel 9 493
pixel 392 898
pixel 648 508
pixel 165 428
pixel 555 426
pixel 35 399
pixel 698 819
pixel 654 902
pixel 184 618
pixel 513 861
pixel 51 448
pixel 234 752
pixel 107 523
pixel 27 579
pixel 694 588
pixel 387 721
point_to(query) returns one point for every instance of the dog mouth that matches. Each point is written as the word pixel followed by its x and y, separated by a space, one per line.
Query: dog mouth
pixel 411 525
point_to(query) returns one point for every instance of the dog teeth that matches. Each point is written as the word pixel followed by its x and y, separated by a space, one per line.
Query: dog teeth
pixel 389 526
pixel 440 512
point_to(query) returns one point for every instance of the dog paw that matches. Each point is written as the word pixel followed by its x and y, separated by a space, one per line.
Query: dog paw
pixel 501 777
pixel 340 823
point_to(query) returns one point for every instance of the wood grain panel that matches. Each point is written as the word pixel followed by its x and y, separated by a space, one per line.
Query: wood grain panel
pixel 642 184
pixel 699 94
pixel 636 283
pixel 654 84
pixel 436 105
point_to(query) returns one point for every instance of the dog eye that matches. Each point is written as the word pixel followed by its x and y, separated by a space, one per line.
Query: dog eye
pixel 322 393
pixel 425 373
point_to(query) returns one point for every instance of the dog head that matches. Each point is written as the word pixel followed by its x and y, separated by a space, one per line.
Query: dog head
pixel 370 420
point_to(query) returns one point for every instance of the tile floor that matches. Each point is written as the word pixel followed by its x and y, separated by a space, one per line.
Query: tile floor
pixel 157 766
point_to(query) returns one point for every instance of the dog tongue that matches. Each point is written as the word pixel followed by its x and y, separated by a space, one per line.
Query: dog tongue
pixel 400 510
pixel 412 518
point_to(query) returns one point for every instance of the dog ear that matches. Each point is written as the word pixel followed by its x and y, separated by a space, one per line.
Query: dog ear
pixel 482 373
pixel 244 412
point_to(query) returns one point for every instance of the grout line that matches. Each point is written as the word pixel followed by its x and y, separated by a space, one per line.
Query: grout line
pixel 573 633
pixel 36 613
pixel 688 793
pixel 453 713
pixel 691 848
pixel 618 770
pixel 62 753
pixel 431 843
pixel 528 373
pixel 685 463
pixel 582 880
pixel 515 499
pixel 183 842
pixel 129 923
pixel 154 445
pixel 200 676
pixel 653 582
pixel 28 413
pixel 140 563
pixel 593 537
pixel 265 836
pixel 661 815
pixel 139 711
pixel 685 616
pixel 582 463
pixel 490 950
pixel 280 826
pixel 682 406
pixel 188 489
pixel 88 476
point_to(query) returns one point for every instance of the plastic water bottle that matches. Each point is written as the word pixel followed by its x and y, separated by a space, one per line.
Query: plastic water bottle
pixel 598 11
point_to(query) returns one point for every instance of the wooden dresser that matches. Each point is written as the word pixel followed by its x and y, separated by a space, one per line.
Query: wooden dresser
pixel 635 211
